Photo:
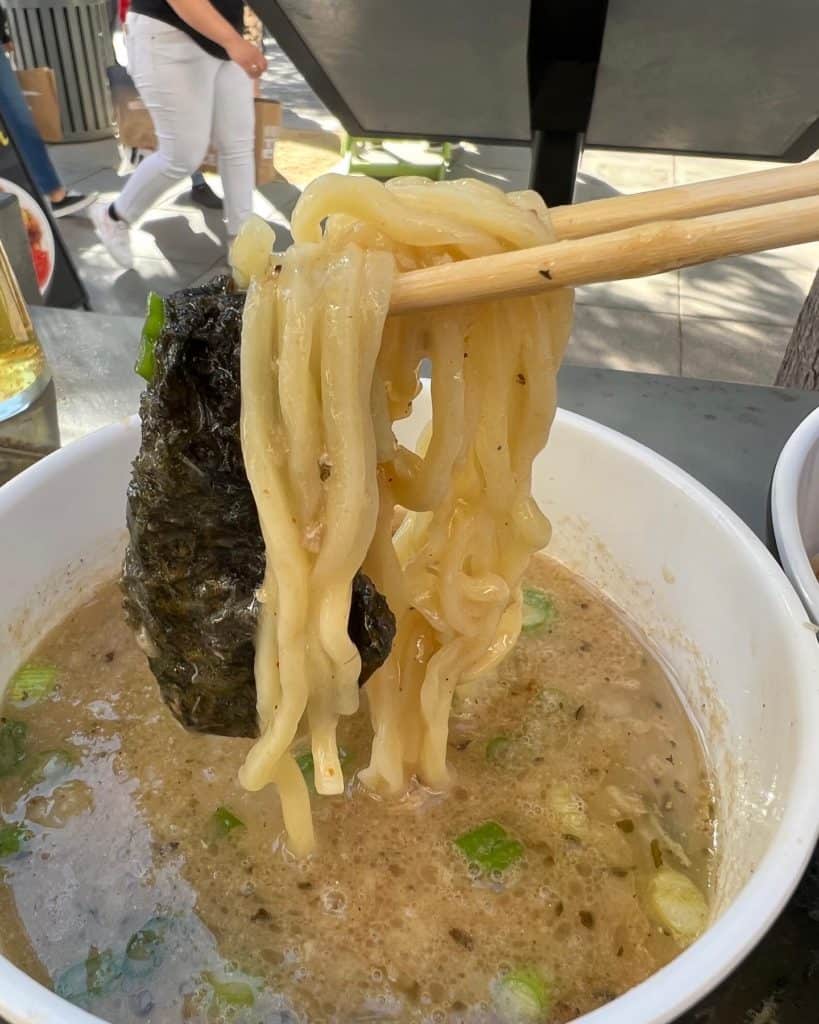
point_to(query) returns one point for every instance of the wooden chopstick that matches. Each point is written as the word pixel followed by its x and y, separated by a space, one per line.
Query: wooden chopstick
pixel 632 252
pixel 737 192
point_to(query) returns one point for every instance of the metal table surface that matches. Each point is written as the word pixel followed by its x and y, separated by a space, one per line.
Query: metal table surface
pixel 726 435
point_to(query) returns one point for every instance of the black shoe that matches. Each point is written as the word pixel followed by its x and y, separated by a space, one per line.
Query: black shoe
pixel 203 195
pixel 72 202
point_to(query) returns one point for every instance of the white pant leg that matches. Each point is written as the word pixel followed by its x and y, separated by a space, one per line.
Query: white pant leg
pixel 234 137
pixel 175 78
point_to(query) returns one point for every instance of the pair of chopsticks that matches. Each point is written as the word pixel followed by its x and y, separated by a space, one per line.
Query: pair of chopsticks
pixel 634 236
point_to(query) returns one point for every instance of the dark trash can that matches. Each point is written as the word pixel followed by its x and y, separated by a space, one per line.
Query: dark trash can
pixel 74 38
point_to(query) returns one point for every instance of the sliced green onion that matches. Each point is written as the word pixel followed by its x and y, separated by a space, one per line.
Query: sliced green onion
pixel 151 329
pixel 31 683
pixel 538 609
pixel 95 976
pixel 497 748
pixel 524 996
pixel 677 904
pixel 308 766
pixel 12 838
pixel 47 766
pixel 231 993
pixel 102 970
pixel 569 809
pixel 12 745
pixel 146 948
pixel 223 821
pixel 490 847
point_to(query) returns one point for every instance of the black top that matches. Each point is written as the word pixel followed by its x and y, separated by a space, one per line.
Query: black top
pixel 231 10
pixel 4 28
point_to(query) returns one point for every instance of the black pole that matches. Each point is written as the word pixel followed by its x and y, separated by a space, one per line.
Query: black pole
pixel 565 42
pixel 555 159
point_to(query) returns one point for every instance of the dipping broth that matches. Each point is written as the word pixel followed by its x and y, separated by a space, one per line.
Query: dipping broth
pixel 572 857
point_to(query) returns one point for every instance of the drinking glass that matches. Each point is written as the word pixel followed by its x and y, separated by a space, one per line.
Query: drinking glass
pixel 24 372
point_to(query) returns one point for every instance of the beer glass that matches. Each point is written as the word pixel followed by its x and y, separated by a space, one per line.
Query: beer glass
pixel 24 372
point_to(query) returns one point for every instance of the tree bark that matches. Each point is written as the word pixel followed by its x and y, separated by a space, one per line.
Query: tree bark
pixel 800 364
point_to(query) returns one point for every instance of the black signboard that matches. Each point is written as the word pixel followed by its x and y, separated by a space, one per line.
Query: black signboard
pixel 57 276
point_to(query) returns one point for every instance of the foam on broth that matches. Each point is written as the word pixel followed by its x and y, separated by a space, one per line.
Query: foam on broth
pixel 580 750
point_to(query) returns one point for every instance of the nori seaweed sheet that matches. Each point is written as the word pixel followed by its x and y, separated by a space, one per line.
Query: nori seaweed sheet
pixel 196 556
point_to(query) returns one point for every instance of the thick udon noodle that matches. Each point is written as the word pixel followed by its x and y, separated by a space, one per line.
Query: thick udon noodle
pixel 325 374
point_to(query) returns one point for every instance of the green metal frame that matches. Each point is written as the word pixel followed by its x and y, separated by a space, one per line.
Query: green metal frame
pixel 393 166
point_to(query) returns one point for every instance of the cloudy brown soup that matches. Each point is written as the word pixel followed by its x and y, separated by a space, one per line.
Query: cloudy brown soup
pixel 571 858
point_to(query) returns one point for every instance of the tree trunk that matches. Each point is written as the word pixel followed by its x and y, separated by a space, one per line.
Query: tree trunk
pixel 800 364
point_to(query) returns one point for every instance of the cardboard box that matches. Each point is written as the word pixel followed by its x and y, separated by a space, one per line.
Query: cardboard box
pixel 134 124
pixel 39 88
pixel 136 129
pixel 268 124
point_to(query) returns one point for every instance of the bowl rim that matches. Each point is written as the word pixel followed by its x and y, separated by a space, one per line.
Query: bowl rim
pixel 697 970
pixel 785 511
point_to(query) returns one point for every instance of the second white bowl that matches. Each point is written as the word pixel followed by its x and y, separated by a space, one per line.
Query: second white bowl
pixel 795 509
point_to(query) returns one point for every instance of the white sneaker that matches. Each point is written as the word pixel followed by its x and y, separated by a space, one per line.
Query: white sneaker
pixel 114 235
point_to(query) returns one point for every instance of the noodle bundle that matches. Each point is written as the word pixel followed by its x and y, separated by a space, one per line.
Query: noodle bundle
pixel 325 375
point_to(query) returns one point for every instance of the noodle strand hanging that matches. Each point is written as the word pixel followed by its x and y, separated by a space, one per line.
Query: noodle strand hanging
pixel 325 375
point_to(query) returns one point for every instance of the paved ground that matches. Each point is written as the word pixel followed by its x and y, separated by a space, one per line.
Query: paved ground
pixel 728 320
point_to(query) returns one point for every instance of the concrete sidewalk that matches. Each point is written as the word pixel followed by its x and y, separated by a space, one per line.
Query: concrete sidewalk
pixel 728 320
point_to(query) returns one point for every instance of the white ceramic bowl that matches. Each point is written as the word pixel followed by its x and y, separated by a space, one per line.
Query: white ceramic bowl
pixel 688 572
pixel 795 509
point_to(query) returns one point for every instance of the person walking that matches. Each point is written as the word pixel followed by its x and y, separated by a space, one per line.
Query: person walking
pixel 24 131
pixel 194 71
pixel 201 193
